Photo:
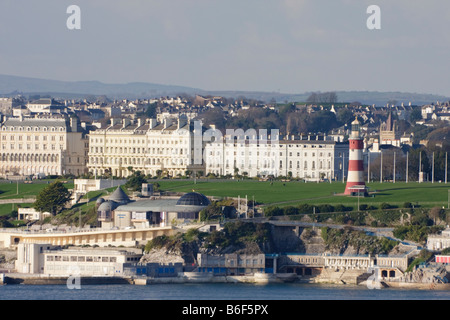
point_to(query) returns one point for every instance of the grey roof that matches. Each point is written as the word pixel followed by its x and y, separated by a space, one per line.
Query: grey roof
pixel 27 122
pixel 158 206
pixel 107 206
pixel 119 196
pixel 193 199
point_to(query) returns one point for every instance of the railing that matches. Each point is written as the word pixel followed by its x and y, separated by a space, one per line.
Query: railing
pixel 25 231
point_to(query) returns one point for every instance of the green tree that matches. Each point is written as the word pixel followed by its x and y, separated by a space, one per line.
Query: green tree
pixel 52 198
pixel 135 181
pixel 416 114
pixel 150 112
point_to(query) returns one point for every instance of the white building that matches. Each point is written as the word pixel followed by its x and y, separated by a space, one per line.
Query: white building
pixel 310 158
pixel 46 259
pixel 45 106
pixel 43 144
pixel 31 214
pixel 146 146
pixel 439 242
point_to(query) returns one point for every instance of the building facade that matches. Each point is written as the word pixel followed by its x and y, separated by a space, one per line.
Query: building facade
pixel 153 148
pixel 121 212
pixel 309 158
pixel 48 259
pixel 42 145
pixel 232 264
pixel 437 242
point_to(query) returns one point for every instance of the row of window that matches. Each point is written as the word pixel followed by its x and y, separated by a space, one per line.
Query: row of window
pixel 31 157
pixel 322 165
pixel 105 259
pixel 80 258
pixel 32 147
pixel 138 141
pixel 138 161
pixel 266 154
pixel 134 150
pixel 12 137
pixel 28 129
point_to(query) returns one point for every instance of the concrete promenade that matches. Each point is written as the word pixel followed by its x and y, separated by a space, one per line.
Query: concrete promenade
pixel 100 237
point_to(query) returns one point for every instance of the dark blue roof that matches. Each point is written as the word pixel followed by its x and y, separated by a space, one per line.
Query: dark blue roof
pixel 193 199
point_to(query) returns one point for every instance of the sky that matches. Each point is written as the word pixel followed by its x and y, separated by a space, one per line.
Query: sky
pixel 288 46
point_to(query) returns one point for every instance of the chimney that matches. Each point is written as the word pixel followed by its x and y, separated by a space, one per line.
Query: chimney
pixel 74 124
pixel 152 123
pixel 182 120
pixel 167 122
pixel 125 122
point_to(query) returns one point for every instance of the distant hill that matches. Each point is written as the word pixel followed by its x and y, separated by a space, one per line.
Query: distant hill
pixel 12 85
pixel 27 86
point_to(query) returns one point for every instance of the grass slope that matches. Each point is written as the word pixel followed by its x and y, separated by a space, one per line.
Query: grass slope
pixel 292 193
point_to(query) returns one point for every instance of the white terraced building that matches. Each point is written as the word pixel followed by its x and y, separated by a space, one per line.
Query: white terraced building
pixel 312 158
pixel 146 146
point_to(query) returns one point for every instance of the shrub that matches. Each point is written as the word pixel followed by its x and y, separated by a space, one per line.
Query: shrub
pixel 305 208
pixel 156 243
pixel 341 208
pixel 414 233
pixel 325 208
pixel 288 211
pixel 273 211
pixel 385 206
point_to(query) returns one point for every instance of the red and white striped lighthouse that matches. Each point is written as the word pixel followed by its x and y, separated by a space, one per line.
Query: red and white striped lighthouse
pixel 355 177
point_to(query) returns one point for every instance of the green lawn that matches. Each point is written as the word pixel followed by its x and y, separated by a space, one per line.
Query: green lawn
pixel 267 193
pixel 9 190
pixel 291 193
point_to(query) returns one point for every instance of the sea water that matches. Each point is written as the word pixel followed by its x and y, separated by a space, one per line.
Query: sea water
pixel 232 292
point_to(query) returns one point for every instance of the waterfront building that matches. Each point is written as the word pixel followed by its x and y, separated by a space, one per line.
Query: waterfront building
pixel 42 145
pixel 355 179
pixel 233 264
pixel 312 158
pixel 442 259
pixel 46 259
pixel 147 146
pixel 438 242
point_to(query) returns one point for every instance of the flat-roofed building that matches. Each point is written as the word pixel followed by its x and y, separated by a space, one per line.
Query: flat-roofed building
pixel 438 242
pixel 47 259
pixel 31 214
